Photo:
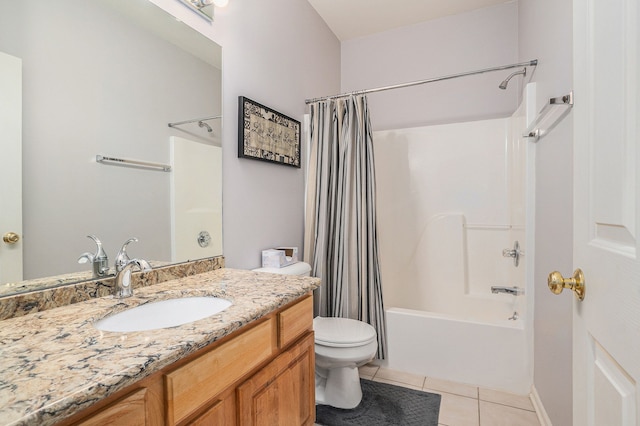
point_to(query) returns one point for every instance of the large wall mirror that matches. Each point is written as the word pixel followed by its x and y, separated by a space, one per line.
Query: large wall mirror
pixel 106 77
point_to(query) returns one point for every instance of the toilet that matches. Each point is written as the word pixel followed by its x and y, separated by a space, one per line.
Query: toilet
pixel 341 346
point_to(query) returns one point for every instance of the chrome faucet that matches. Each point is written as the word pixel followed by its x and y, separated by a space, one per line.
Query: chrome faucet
pixel 99 260
pixel 123 277
pixel 122 258
pixel 516 291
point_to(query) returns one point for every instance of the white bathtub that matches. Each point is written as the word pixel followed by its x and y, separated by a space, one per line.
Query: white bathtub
pixel 451 198
pixel 487 354
pixel 446 323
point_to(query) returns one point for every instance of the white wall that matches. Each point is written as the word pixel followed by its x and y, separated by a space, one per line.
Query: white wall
pixel 277 53
pixel 545 32
pixel 469 41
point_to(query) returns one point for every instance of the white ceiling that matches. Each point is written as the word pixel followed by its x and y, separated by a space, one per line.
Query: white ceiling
pixel 357 18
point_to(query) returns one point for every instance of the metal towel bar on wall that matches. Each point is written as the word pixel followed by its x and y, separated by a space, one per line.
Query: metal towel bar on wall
pixel 549 116
pixel 134 163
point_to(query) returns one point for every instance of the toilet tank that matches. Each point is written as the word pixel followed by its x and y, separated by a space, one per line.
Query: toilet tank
pixel 300 268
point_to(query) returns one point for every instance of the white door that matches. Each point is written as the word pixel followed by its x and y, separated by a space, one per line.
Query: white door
pixel 10 168
pixel 606 325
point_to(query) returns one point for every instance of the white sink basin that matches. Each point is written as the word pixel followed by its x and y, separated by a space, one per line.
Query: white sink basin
pixel 163 314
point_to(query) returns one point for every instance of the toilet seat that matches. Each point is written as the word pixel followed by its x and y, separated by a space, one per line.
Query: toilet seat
pixel 342 332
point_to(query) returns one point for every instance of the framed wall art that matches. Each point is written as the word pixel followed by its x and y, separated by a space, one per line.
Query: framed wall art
pixel 267 135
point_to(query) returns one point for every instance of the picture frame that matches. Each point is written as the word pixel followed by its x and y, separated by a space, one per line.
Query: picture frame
pixel 267 135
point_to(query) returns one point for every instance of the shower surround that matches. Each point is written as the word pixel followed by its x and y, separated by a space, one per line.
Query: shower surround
pixel 451 198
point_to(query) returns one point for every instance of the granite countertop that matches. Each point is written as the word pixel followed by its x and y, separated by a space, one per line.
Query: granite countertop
pixel 55 363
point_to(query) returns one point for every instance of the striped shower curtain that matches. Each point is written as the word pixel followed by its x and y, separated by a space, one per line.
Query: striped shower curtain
pixel 341 242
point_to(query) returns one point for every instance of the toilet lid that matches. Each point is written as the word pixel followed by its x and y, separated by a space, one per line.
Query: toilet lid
pixel 342 332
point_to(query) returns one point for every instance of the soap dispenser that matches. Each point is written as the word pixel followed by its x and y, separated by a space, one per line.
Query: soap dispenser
pixel 99 259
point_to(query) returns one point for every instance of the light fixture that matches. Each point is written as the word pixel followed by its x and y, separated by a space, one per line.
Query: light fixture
pixel 220 3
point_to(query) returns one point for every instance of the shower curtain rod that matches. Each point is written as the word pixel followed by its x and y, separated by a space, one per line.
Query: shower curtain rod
pixel 532 63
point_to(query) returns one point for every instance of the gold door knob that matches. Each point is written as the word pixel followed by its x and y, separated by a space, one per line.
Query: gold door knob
pixel 11 238
pixel 557 283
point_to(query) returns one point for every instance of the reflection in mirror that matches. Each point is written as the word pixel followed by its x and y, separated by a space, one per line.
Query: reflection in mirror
pixel 204 8
pixel 106 77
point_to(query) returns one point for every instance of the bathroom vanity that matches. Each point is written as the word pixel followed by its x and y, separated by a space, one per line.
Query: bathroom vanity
pixel 253 363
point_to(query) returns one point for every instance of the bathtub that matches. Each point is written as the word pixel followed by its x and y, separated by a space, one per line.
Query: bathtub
pixel 445 322
pixel 491 354
pixel 451 199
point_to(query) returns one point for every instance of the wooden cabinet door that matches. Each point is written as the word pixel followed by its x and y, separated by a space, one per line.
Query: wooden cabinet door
pixel 222 413
pixel 283 393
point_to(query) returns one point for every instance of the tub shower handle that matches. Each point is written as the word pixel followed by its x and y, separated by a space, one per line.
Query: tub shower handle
pixel 515 253
pixel 557 283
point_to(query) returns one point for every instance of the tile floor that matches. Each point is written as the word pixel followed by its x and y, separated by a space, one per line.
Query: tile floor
pixel 463 405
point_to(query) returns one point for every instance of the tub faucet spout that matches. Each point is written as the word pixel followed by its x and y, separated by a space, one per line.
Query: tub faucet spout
pixel 516 291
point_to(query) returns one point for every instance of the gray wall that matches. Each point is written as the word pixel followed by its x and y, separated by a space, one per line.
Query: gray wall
pixel 277 53
pixel 545 32
pixel 453 44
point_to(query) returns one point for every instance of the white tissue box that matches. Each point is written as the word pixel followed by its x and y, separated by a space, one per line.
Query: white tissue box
pixel 279 257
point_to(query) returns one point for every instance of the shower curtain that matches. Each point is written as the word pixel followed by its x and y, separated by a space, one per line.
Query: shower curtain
pixel 340 233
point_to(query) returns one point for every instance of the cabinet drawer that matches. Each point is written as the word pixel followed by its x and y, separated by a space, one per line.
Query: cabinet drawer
pixel 295 321
pixel 130 410
pixel 189 387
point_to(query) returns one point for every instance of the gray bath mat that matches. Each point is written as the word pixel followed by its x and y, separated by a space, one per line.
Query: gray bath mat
pixel 384 404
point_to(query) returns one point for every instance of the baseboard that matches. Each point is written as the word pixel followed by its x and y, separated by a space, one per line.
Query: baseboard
pixel 543 417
